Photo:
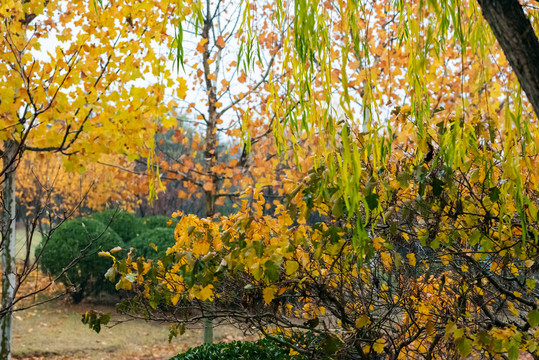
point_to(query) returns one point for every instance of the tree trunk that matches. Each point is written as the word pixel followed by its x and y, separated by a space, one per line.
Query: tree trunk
pixel 8 248
pixel 208 324
pixel 210 155
pixel 519 43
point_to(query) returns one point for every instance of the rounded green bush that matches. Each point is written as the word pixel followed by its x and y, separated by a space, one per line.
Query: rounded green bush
pixel 157 221
pixel 80 238
pixel 263 349
pixel 126 224
pixel 162 237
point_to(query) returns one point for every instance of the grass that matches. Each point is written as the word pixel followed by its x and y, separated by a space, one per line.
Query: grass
pixel 20 244
pixel 55 331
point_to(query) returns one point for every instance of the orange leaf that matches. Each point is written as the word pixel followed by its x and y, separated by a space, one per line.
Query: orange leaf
pixel 116 249
pixel 220 42
pixel 243 77
pixel 201 47
pixel 208 186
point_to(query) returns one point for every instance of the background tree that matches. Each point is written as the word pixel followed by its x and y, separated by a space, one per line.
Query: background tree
pixel 97 188
pixel 222 143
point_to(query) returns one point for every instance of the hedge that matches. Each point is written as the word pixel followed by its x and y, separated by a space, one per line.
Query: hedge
pixel 157 221
pixel 74 238
pixel 263 349
pixel 163 238
pixel 126 224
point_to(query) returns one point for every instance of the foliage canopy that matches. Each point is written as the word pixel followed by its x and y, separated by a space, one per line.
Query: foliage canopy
pixel 418 154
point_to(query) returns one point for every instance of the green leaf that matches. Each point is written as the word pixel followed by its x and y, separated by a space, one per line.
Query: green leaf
pixel 338 208
pixel 464 346
pixel 483 337
pixel 226 237
pixel 450 329
pixel 259 248
pixel 331 344
pixel 513 348
pixel 398 260
pixel 512 352
pixel 437 187
pixel 420 173
pixel 105 318
pixel 475 237
pixel 458 333
pixel 372 201
pixel 94 320
pixel 533 318
pixel 272 271
pixel 404 179
pixel 175 330
pixel 494 194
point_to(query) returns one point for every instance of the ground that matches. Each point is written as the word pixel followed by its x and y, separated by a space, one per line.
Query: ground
pixel 55 331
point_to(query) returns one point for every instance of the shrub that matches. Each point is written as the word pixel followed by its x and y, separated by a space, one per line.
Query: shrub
pixel 126 224
pixel 80 238
pixel 158 221
pixel 263 349
pixel 162 237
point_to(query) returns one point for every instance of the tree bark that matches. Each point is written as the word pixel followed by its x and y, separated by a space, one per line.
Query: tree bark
pixel 8 248
pixel 210 155
pixel 519 43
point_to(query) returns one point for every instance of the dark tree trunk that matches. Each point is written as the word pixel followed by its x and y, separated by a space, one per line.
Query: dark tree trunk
pixel 519 43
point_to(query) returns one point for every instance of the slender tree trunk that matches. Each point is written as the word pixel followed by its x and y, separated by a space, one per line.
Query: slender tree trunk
pixel 8 248
pixel 210 155
pixel 519 43
pixel 208 324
